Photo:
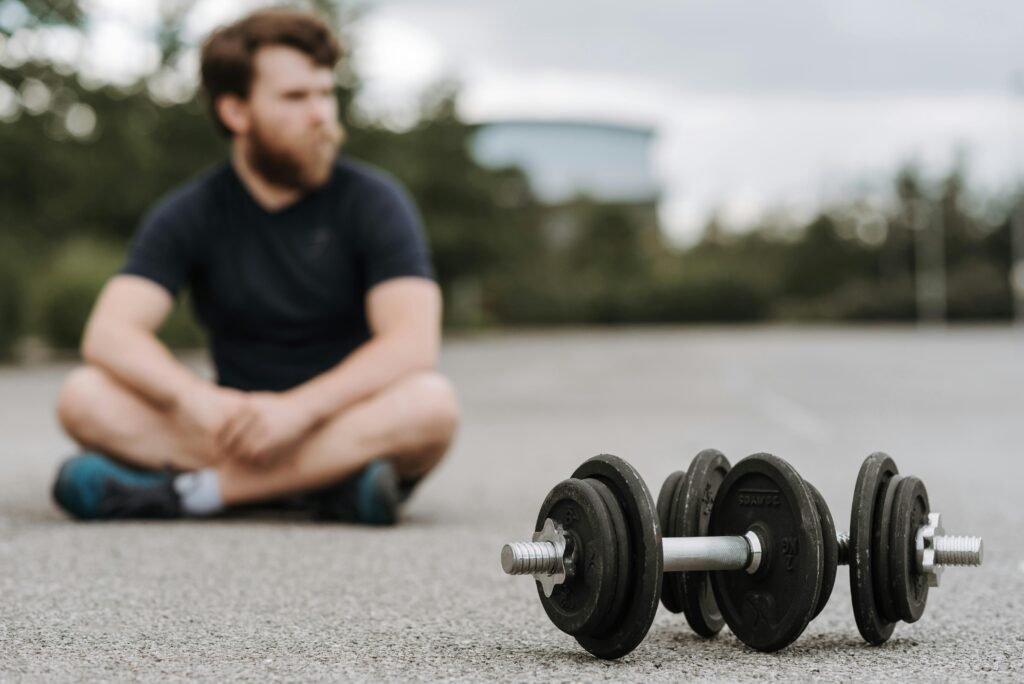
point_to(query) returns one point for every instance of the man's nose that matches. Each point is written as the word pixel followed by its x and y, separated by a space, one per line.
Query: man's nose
pixel 322 110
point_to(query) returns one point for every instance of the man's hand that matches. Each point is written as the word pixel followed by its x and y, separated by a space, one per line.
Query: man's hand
pixel 204 410
pixel 265 429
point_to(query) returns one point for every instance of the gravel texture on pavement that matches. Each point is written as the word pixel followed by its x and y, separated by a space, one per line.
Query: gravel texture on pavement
pixel 270 598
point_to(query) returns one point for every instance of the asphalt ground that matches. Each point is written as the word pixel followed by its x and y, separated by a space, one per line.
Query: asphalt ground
pixel 278 599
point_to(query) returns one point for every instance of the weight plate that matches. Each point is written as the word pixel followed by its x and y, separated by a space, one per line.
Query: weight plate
pixel 581 603
pixel 622 554
pixel 691 516
pixel 645 559
pixel 874 475
pixel 770 608
pixel 881 561
pixel 830 548
pixel 909 587
pixel 671 590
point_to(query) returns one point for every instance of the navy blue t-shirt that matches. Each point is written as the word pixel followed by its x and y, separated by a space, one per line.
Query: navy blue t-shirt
pixel 281 294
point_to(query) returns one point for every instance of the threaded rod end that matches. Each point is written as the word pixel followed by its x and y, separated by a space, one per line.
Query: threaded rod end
pixel 843 540
pixel 529 558
pixel 958 550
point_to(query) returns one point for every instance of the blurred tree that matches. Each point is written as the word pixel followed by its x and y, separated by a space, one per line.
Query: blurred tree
pixel 820 262
pixel 17 14
pixel 83 163
pixel 473 215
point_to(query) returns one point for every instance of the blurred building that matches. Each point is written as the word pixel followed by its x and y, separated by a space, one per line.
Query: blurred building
pixel 573 164
pixel 567 159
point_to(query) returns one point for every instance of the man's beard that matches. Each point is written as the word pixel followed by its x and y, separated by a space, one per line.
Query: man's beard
pixel 300 167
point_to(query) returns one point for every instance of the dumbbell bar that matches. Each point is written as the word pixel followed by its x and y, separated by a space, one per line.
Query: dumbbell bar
pixel 548 561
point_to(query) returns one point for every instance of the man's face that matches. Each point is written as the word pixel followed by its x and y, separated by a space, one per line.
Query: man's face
pixel 293 132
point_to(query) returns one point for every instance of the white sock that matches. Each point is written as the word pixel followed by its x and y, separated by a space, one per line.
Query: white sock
pixel 199 492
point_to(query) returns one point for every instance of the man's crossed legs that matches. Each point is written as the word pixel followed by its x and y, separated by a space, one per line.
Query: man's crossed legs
pixel 360 462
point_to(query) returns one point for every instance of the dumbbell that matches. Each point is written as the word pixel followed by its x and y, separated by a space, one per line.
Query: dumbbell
pixel 898 548
pixel 599 557
pixel 602 588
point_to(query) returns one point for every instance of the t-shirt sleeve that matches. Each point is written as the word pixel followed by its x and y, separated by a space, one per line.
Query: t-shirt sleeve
pixel 162 249
pixel 392 238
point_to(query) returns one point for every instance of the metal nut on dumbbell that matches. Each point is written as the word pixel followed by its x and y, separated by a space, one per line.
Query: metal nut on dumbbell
pixel 896 548
pixel 596 556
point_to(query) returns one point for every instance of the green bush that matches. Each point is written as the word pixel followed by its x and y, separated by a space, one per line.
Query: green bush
pixel 707 298
pixel 534 296
pixel 978 289
pixel 67 291
pixel 858 300
pixel 12 305
pixel 554 298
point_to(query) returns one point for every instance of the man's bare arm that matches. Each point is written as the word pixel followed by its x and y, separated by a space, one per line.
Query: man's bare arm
pixel 404 316
pixel 120 339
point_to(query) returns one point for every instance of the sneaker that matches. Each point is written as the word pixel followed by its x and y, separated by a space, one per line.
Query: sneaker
pixel 407 486
pixel 370 497
pixel 91 486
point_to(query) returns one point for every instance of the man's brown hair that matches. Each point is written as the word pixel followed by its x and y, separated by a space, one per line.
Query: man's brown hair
pixel 227 56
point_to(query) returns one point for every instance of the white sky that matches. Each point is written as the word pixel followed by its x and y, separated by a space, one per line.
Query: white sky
pixel 759 106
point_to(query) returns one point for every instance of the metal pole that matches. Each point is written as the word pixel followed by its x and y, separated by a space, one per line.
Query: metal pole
pixel 1017 215
pixel 1017 263
pixel 930 267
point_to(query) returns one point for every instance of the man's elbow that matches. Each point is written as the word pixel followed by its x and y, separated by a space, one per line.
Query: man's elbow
pixel 91 347
pixel 99 340
pixel 425 355
pixel 419 352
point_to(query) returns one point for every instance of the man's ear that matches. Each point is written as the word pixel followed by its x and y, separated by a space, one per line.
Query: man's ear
pixel 234 113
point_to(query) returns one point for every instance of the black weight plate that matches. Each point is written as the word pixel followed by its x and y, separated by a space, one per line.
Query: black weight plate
pixel 646 558
pixel 874 475
pixel 671 590
pixel 830 547
pixel 581 603
pixel 691 516
pixel 881 561
pixel 622 554
pixel 770 608
pixel 909 587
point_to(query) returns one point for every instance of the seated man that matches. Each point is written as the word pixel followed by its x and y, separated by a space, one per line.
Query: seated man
pixel 311 277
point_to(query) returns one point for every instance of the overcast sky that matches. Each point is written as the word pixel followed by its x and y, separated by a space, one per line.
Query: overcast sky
pixel 759 106
pixel 729 46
